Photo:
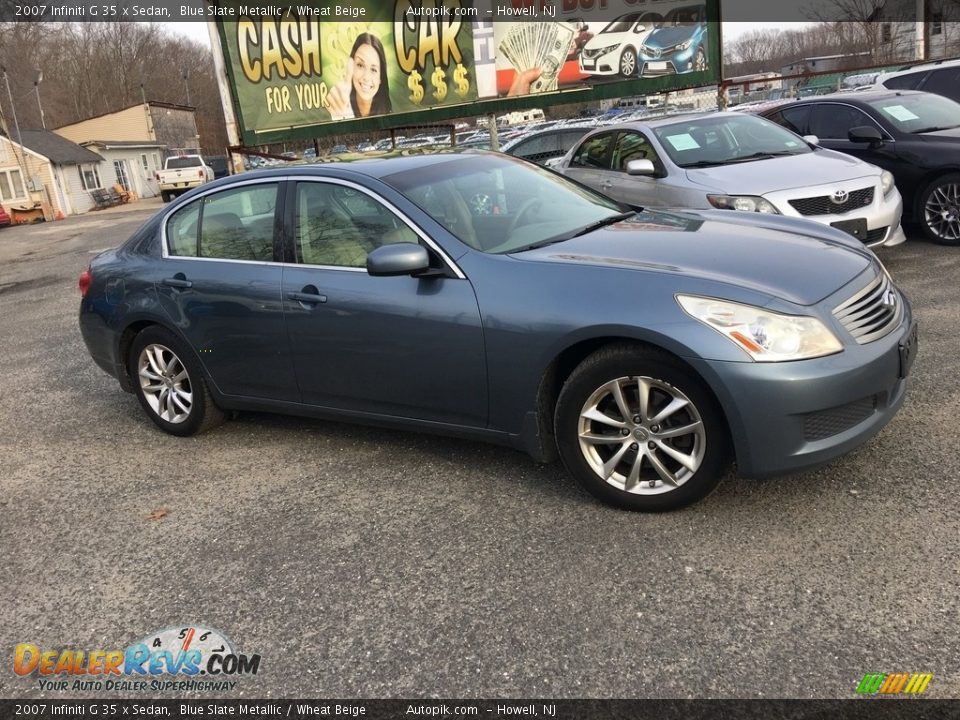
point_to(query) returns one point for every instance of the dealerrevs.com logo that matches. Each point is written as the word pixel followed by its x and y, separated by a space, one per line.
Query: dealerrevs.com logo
pixel 191 658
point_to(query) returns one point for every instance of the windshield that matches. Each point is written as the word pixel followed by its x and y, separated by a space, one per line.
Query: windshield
pixel 175 163
pixel 621 24
pixel 721 140
pixel 683 16
pixel 919 113
pixel 499 204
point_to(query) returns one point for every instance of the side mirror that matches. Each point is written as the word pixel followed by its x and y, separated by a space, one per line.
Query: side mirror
pixel 865 134
pixel 641 167
pixel 812 139
pixel 398 259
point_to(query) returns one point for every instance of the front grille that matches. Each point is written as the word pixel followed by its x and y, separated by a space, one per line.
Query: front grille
pixel 873 312
pixel 827 423
pixel 824 204
pixel 875 236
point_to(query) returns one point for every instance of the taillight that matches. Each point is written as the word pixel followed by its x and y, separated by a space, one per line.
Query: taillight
pixel 200 174
pixel 86 277
pixel 157 176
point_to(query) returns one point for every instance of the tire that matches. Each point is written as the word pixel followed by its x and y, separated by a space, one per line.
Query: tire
pixel 628 63
pixel 165 196
pixel 188 409
pixel 938 209
pixel 634 482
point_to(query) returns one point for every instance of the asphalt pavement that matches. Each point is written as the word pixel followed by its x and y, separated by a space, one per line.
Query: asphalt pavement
pixel 367 563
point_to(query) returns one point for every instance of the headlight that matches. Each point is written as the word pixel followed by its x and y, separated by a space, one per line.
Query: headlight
pixel 766 336
pixel 684 45
pixel 744 203
pixel 602 51
pixel 887 183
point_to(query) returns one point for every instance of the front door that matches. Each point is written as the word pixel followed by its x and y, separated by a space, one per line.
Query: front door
pixel 397 346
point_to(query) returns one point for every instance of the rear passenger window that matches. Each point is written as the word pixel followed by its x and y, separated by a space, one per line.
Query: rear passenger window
pixel 793 118
pixel 594 153
pixel 905 82
pixel 182 231
pixel 238 224
pixel 832 121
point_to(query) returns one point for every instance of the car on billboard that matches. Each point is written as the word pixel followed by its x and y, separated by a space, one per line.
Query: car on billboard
pixel 737 161
pixel 678 44
pixel 645 348
pixel 614 49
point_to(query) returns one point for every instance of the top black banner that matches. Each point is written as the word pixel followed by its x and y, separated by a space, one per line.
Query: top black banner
pixel 496 10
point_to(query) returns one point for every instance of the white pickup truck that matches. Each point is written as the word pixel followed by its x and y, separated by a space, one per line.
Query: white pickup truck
pixel 181 173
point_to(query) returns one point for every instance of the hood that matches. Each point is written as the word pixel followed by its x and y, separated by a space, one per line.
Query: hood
pixel 761 177
pixel 667 37
pixel 620 39
pixel 950 136
pixel 766 255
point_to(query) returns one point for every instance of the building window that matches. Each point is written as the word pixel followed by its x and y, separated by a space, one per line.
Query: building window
pixel 11 185
pixel 90 176
pixel 143 161
pixel 156 161
pixel 120 167
pixel 936 23
pixel 886 32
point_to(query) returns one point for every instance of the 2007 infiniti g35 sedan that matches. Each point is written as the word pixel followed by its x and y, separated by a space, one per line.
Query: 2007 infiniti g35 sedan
pixel 477 295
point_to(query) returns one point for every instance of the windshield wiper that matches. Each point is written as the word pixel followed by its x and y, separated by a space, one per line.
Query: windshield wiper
pixel 760 156
pixel 933 128
pixel 703 164
pixel 610 220
pixel 603 223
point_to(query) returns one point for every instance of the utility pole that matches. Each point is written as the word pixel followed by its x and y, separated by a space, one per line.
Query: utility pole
pixel 36 86
pixel 21 161
pixel 186 82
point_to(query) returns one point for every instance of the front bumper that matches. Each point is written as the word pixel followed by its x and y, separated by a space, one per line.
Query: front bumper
pixel 670 63
pixel 608 64
pixel 792 416
pixel 882 215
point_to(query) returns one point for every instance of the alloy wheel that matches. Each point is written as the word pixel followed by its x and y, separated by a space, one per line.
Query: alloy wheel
pixel 165 383
pixel 628 63
pixel 942 212
pixel 641 435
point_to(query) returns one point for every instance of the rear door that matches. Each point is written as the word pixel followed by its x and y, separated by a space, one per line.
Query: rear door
pixel 220 285
pixel 397 346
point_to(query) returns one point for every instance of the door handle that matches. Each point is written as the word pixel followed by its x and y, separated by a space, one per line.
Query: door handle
pixel 308 297
pixel 178 281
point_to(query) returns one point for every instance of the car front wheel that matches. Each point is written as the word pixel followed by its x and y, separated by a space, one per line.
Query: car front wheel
pixel 940 209
pixel 628 62
pixel 640 431
pixel 170 385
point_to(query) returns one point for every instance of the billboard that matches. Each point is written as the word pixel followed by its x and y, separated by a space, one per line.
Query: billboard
pixel 307 71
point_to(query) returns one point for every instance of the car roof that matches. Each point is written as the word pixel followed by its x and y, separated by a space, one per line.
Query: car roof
pixel 920 67
pixel 377 166
pixel 659 121
pixel 858 98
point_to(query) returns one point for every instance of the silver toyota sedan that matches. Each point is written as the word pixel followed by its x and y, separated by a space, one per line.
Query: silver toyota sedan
pixel 734 161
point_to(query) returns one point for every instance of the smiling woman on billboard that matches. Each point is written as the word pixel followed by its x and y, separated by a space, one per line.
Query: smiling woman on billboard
pixel 364 90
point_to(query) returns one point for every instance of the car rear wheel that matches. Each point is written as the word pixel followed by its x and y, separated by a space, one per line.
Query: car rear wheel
pixel 165 196
pixel 940 209
pixel 628 62
pixel 170 385
pixel 640 431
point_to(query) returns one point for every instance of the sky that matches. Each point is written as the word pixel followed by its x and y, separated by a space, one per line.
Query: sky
pixel 731 30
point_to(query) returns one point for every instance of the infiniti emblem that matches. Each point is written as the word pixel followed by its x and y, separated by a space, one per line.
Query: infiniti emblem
pixel 839 197
pixel 889 300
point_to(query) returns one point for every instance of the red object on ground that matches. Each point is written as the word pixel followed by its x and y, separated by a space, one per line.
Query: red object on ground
pixel 4 218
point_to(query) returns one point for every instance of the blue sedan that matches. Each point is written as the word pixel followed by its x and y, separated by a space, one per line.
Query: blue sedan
pixel 477 295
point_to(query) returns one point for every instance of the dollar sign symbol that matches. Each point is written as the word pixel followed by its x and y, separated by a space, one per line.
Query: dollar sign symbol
pixel 438 82
pixel 413 83
pixel 460 78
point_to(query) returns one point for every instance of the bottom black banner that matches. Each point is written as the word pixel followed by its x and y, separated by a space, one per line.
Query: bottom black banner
pixel 860 709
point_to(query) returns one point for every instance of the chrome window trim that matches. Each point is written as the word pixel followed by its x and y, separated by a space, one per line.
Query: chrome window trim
pixel 887 136
pixel 303 178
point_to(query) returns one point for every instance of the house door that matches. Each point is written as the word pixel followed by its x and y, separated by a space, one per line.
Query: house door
pixel 123 175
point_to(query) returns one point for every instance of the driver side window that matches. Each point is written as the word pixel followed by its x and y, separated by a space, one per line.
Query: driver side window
pixel 632 146
pixel 338 226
